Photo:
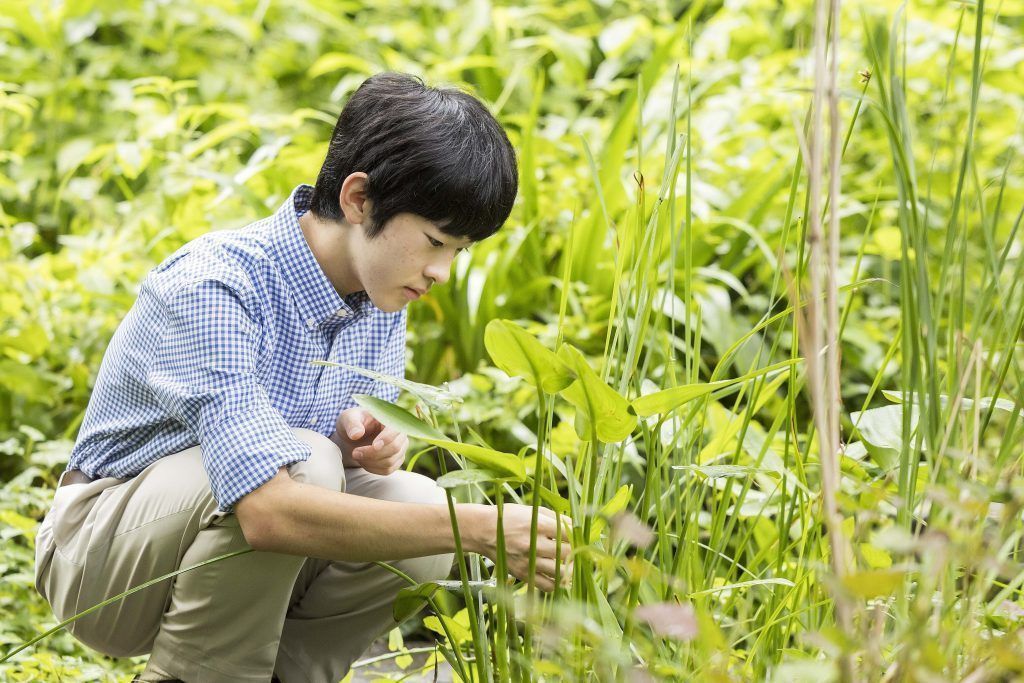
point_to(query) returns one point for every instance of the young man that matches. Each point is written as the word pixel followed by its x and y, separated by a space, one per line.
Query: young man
pixel 210 431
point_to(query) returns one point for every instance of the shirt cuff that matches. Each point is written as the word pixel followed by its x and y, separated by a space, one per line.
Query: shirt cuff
pixel 244 450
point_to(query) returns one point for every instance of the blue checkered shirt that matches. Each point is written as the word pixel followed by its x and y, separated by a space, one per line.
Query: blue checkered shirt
pixel 216 352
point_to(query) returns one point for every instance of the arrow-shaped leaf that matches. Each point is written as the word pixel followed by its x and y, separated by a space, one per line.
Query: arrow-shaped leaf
pixel 517 352
pixel 604 407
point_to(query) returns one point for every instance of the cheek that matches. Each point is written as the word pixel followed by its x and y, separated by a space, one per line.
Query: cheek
pixel 394 263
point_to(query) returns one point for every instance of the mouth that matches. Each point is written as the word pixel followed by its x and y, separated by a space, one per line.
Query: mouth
pixel 411 293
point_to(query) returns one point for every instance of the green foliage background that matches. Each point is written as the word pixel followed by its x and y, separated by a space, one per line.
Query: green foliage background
pixel 129 128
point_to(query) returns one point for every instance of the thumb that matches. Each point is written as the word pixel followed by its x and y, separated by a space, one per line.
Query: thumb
pixel 370 423
pixel 352 423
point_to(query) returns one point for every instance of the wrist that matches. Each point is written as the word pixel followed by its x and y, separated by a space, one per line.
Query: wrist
pixel 477 528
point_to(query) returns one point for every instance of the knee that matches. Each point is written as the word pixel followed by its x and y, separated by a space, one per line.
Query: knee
pixel 428 567
pixel 421 489
pixel 324 467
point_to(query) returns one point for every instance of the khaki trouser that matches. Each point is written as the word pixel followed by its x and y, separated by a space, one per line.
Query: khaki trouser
pixel 240 619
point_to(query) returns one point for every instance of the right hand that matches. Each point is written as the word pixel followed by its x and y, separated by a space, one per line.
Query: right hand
pixel 516 522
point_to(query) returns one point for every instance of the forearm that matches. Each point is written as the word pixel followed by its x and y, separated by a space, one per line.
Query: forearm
pixel 306 520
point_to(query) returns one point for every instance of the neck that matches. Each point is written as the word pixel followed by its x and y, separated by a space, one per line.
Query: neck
pixel 328 242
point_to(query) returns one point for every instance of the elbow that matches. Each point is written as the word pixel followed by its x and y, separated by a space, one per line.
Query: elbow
pixel 257 513
pixel 256 533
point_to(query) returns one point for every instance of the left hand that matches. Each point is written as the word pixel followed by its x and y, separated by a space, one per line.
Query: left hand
pixel 366 443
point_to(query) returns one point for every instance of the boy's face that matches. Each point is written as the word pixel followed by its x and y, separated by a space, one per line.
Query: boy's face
pixel 407 257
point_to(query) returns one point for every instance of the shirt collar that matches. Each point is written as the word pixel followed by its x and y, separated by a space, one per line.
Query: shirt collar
pixel 317 299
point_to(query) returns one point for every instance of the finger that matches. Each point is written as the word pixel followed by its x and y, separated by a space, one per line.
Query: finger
pixel 370 456
pixel 398 448
pixel 387 435
pixel 352 423
pixel 394 464
pixel 371 425
pixel 546 566
pixel 565 527
pixel 548 526
pixel 547 548
pixel 397 451
pixel 373 463
pixel 545 583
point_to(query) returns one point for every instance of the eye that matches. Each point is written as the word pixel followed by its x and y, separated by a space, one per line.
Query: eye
pixel 433 242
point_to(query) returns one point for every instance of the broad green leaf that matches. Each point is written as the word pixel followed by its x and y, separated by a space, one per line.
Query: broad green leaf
pixel 554 501
pixel 501 464
pixel 602 406
pixel 518 353
pixel 670 399
pixel 457 478
pixel 458 626
pixel 411 600
pixel 399 418
pixel 881 430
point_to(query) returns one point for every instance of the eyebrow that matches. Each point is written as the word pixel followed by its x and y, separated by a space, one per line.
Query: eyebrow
pixel 447 239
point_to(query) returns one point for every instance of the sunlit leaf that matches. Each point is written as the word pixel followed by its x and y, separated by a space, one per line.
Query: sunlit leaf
pixel 518 353
pixel 603 407
pixel 399 418
pixel 501 464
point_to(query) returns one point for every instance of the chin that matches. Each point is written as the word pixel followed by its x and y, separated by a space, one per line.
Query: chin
pixel 392 306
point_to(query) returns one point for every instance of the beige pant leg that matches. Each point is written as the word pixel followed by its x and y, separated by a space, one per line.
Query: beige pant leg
pixel 339 608
pixel 217 623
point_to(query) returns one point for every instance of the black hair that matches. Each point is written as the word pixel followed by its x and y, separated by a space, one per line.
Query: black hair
pixel 434 152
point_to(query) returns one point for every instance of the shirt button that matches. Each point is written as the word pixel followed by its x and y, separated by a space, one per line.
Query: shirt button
pixel 312 422
pixel 341 313
pixel 311 323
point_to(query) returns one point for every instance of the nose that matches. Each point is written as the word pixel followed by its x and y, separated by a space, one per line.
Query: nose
pixel 440 269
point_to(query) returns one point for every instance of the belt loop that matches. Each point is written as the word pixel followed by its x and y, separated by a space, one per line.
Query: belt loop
pixel 60 480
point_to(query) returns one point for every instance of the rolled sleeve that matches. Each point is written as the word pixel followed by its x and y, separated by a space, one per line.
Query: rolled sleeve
pixel 204 375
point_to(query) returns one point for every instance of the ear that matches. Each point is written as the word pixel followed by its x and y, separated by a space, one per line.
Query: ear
pixel 352 198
